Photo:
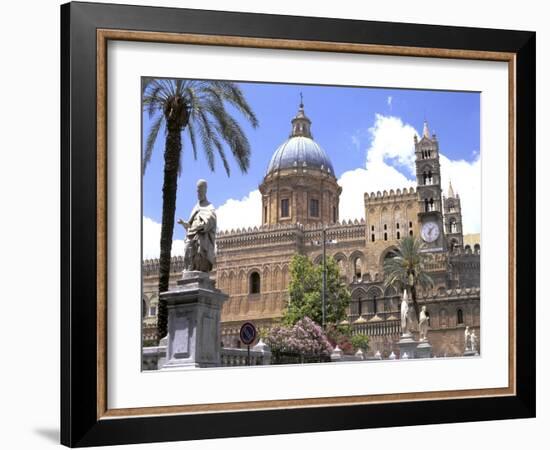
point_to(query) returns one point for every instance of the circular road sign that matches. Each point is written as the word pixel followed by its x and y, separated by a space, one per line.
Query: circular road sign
pixel 248 333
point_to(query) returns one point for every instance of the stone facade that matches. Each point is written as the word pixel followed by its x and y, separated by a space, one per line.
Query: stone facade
pixel 252 265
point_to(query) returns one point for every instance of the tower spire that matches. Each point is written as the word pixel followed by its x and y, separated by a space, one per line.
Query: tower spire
pixel 450 193
pixel 426 131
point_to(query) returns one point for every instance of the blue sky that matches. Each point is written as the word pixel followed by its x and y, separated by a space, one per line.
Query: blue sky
pixel 355 126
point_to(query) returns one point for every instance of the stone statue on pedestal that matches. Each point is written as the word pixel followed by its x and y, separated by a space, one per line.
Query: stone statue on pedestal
pixel 466 339
pixel 473 341
pixel 423 324
pixel 405 320
pixel 199 251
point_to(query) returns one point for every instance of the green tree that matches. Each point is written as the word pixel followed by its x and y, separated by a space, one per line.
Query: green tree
pixel 407 270
pixel 305 288
pixel 360 341
pixel 198 108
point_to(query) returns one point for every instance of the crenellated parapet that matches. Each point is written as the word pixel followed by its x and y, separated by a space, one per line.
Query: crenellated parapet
pixel 282 234
pixel 390 196
pixel 151 266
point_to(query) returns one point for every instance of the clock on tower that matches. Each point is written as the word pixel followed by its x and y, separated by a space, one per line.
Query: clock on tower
pixel 428 179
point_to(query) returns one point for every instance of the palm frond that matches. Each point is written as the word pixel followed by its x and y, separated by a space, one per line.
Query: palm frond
pixel 233 94
pixel 150 142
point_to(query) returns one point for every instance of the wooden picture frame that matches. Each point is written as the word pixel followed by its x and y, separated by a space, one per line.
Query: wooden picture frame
pixel 85 416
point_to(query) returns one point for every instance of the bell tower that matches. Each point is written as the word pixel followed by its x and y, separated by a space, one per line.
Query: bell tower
pixel 428 180
pixel 453 219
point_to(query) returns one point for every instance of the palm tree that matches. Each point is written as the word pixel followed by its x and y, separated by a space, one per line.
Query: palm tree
pixel 407 270
pixel 198 107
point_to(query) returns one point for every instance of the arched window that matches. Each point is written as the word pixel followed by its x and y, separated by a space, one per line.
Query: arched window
pixel 254 285
pixel 459 317
pixel 385 236
pixel 398 235
pixel 357 267
pixel 443 318
pixel 468 250
pixel 454 245
pixel 477 249
pixel 452 225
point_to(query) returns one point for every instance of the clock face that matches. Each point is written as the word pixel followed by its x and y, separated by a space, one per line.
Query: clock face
pixel 430 231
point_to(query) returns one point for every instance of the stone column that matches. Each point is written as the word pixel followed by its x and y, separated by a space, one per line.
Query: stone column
pixel 194 322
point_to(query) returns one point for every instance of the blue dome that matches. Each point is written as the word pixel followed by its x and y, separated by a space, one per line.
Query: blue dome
pixel 300 151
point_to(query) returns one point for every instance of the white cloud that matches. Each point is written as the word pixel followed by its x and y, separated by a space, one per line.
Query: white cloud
pixel 392 145
pixel 392 141
pixel 466 180
pixel 151 240
pixel 242 213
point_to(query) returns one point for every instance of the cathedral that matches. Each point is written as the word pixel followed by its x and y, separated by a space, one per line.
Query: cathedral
pixel 300 206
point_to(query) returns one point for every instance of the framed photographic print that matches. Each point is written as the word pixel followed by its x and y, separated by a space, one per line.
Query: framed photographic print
pixel 276 224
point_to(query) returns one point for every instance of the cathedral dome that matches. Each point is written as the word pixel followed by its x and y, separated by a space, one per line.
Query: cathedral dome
pixel 300 150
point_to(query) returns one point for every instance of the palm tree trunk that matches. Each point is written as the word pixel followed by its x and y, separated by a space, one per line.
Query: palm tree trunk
pixel 172 151
pixel 415 303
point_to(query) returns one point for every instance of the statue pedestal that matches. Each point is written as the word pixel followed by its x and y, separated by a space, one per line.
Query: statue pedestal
pixel 471 353
pixel 407 345
pixel 194 331
pixel 424 350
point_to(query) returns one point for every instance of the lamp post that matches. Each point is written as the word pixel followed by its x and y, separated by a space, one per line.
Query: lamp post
pixel 324 243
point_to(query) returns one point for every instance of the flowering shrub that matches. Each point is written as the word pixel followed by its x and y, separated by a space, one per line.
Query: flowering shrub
pixel 305 337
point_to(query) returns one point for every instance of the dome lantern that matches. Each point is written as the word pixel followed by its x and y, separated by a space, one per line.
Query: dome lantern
pixel 301 125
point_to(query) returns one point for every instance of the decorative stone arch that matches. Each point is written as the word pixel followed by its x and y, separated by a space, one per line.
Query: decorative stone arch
pixel 242 281
pixel 477 249
pixel 453 245
pixel 391 292
pixel 468 250
pixel 374 296
pixel 222 282
pixel 231 282
pixel 358 296
pixel 357 264
pixel 285 277
pixel 341 261
pixel 277 281
pixel 387 253
pixel 443 318
pixel 318 260
pixel 266 279
pixel 392 298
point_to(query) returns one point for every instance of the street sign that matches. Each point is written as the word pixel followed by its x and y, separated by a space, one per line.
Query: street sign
pixel 248 333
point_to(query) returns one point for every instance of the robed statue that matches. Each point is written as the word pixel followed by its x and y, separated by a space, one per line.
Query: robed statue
pixel 423 323
pixel 405 320
pixel 467 339
pixel 199 250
